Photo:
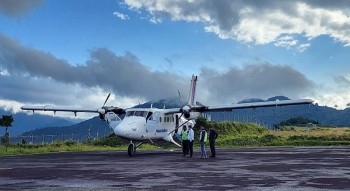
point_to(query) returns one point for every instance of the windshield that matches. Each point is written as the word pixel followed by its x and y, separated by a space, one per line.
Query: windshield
pixel 137 113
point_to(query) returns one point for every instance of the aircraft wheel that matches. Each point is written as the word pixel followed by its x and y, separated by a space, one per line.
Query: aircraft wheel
pixel 131 150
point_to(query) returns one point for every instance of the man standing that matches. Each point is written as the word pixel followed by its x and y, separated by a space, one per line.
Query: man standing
pixel 184 136
pixel 213 135
pixel 203 136
pixel 190 139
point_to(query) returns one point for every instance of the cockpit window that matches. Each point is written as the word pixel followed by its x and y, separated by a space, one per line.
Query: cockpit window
pixel 137 113
pixel 141 113
pixel 129 113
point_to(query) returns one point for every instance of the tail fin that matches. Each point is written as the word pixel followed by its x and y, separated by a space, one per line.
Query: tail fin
pixel 192 95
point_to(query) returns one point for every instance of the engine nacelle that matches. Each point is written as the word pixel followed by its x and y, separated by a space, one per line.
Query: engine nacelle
pixel 187 114
pixel 101 111
pixel 102 117
pixel 191 115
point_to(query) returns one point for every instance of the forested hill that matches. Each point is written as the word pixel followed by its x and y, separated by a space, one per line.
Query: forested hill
pixel 94 127
pixel 24 122
pixel 274 115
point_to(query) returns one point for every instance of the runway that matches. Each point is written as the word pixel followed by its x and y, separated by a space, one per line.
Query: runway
pixel 266 168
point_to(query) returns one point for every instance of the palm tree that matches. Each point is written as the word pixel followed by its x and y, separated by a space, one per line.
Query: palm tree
pixel 6 122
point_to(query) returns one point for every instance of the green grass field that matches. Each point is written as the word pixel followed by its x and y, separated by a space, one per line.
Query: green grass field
pixel 230 135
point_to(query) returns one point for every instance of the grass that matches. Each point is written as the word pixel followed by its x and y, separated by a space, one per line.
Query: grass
pixel 23 149
pixel 319 136
pixel 230 135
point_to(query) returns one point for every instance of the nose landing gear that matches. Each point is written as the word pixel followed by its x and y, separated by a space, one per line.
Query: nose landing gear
pixel 131 149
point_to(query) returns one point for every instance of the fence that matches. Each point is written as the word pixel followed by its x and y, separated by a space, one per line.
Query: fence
pixel 51 138
pixel 229 117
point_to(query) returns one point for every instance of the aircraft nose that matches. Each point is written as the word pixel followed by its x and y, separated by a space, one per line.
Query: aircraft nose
pixel 130 127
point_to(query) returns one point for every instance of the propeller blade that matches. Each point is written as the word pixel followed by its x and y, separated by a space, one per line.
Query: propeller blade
pixel 178 127
pixel 106 99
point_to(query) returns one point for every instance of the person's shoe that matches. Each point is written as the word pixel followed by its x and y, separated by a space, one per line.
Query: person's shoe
pixel 212 156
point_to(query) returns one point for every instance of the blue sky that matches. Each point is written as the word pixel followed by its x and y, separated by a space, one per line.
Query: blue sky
pixel 147 50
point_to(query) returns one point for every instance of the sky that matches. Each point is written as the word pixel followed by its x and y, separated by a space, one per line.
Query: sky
pixel 73 53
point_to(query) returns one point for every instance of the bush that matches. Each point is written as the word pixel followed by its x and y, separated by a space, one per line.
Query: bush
pixel 5 140
pixel 268 138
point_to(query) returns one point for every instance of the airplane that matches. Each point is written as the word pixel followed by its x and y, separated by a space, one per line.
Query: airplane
pixel 143 125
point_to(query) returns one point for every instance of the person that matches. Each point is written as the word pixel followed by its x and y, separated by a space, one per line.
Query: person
pixel 213 135
pixel 203 136
pixel 190 139
pixel 185 142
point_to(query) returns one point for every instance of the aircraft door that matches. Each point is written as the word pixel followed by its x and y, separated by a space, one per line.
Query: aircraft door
pixel 152 122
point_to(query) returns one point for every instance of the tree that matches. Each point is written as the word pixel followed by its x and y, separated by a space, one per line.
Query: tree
pixel 6 122
pixel 297 121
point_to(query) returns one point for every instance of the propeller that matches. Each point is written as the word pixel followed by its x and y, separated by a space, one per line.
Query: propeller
pixel 104 109
pixel 188 111
pixel 106 99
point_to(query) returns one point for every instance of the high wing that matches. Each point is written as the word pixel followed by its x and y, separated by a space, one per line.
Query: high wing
pixel 191 107
pixel 258 104
pixel 54 109
pixel 200 108
pixel 101 111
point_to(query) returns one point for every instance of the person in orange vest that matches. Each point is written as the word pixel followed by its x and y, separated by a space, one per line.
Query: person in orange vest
pixel 203 137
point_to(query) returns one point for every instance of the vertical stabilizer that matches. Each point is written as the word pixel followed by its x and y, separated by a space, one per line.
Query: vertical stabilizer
pixel 192 95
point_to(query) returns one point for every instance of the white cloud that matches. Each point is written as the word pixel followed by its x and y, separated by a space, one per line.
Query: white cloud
pixel 286 41
pixel 338 94
pixel 39 91
pixel 121 15
pixel 340 98
pixel 258 22
pixel 10 105
pixel 303 47
pixel 4 73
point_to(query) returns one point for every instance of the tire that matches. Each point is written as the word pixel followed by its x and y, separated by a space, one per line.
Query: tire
pixel 131 150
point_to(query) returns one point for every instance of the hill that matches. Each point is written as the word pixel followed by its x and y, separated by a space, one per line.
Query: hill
pixel 24 122
pixel 270 116
pixel 93 127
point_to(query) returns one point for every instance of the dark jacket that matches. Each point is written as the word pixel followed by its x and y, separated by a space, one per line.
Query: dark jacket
pixel 213 135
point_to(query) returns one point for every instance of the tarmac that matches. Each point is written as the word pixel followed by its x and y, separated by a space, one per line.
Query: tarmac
pixel 264 168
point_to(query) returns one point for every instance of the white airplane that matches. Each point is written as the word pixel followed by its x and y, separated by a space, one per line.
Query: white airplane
pixel 147 124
